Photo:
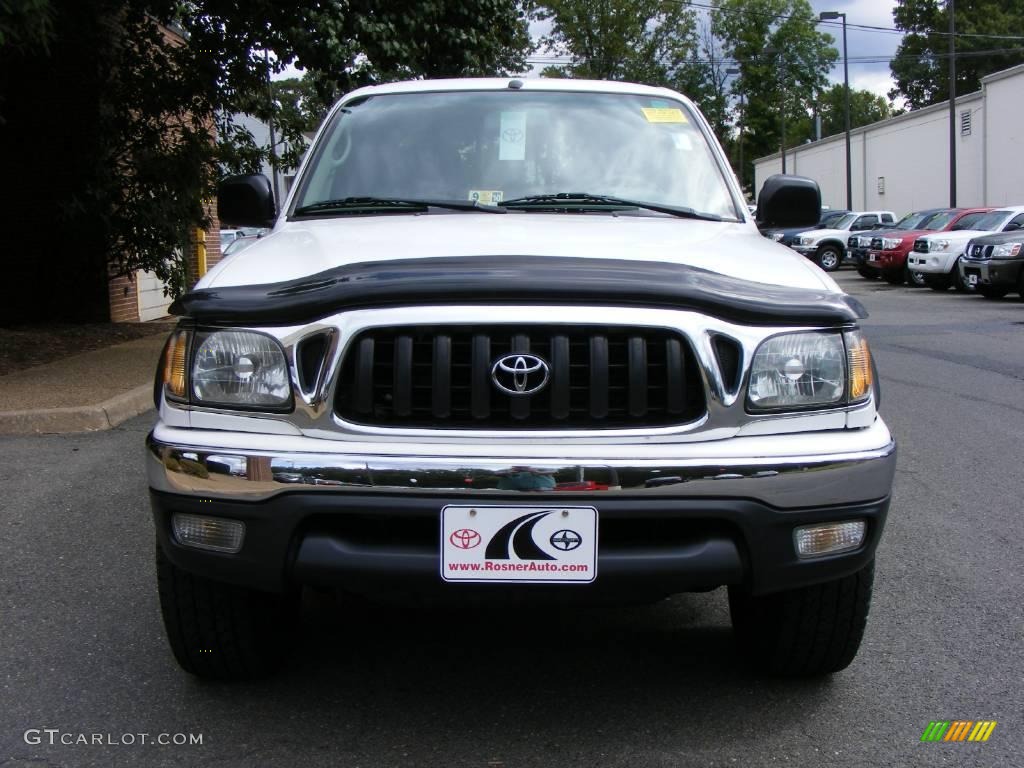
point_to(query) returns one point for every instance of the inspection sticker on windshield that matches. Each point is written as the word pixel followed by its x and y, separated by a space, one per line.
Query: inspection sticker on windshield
pixel 519 544
pixel 486 196
pixel 664 115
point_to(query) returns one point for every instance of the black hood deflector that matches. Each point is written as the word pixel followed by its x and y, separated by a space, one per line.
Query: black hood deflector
pixel 517 279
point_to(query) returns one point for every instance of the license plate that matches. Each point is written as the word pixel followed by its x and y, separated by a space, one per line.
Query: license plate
pixel 519 544
pixel 972 279
pixel 872 257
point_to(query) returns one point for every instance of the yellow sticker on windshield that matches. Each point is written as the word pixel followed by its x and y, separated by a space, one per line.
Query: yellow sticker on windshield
pixel 486 196
pixel 664 115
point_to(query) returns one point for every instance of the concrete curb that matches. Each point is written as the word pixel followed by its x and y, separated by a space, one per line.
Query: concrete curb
pixel 84 418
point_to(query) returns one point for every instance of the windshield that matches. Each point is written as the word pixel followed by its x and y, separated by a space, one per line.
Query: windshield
pixel 988 222
pixel 940 220
pixel 494 146
pixel 843 223
pixel 916 221
pixel 969 221
pixel 829 221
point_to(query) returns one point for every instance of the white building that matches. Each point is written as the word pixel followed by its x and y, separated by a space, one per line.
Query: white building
pixel 902 164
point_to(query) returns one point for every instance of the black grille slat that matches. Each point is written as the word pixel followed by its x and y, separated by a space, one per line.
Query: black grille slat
pixel 441 391
pixel 480 375
pixel 401 386
pixel 601 377
pixel 362 401
pixel 675 388
pixel 598 376
pixel 637 376
pixel 561 363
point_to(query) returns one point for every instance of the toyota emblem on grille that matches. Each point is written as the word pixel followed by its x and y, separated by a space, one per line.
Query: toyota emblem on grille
pixel 520 374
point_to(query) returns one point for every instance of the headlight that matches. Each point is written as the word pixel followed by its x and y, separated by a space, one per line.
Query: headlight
pixel 1006 250
pixel 777 236
pixel 240 369
pixel 891 243
pixel 810 370
pixel 806 240
pixel 798 370
pixel 939 245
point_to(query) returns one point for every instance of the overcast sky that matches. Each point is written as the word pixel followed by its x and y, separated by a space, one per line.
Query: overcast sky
pixel 863 42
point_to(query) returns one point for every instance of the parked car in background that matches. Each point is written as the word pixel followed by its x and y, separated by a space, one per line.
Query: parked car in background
pixel 994 264
pixel 826 247
pixel 240 244
pixel 227 237
pixel 936 255
pixel 785 235
pixel 886 253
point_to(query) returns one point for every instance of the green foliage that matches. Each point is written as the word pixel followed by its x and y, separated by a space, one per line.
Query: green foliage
pixel 865 108
pixel 136 121
pixel 783 62
pixel 921 65
pixel 25 23
pixel 643 41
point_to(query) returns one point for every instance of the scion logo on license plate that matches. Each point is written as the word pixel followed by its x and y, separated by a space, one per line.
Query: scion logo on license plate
pixel 519 544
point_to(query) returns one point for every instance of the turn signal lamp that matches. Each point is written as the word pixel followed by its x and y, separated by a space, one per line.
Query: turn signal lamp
pixel 858 366
pixel 174 365
pixel 829 538
pixel 213 533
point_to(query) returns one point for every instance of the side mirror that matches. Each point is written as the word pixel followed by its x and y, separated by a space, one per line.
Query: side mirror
pixel 788 201
pixel 1011 227
pixel 246 201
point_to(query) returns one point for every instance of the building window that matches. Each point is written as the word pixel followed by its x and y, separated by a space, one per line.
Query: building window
pixel 881 185
pixel 965 123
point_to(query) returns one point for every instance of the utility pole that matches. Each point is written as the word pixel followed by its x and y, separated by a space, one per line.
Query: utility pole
pixel 831 16
pixel 736 71
pixel 270 126
pixel 951 7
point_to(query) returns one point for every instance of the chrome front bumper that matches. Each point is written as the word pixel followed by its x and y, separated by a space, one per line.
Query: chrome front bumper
pixel 784 471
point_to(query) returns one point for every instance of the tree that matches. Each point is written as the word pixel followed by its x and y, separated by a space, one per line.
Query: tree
pixel 643 41
pixel 783 60
pixel 122 125
pixel 921 65
pixel 865 108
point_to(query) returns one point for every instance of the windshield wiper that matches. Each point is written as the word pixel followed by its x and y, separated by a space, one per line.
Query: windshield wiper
pixel 393 204
pixel 573 198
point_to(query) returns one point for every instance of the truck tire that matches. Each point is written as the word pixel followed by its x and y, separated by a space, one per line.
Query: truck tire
pixel 804 632
pixel 914 279
pixel 957 281
pixel 222 631
pixel 829 257
pixel 992 293
pixel 893 276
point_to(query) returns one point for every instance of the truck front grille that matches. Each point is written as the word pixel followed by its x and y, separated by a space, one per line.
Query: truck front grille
pixel 441 377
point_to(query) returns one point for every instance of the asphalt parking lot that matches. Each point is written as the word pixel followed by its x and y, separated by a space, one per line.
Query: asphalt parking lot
pixel 82 647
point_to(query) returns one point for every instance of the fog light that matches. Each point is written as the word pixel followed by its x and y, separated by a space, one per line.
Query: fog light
pixel 829 538
pixel 213 533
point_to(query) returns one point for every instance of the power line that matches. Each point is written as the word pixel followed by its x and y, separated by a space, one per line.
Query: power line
pixel 868 59
pixel 850 25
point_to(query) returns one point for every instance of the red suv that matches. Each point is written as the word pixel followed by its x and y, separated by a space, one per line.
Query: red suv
pixel 887 254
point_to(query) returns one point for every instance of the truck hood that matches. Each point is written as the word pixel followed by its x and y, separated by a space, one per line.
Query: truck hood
pixel 298 249
pixel 821 234
pixel 959 237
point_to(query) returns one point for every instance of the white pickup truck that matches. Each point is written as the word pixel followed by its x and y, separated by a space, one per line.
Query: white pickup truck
pixel 936 256
pixel 517 338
